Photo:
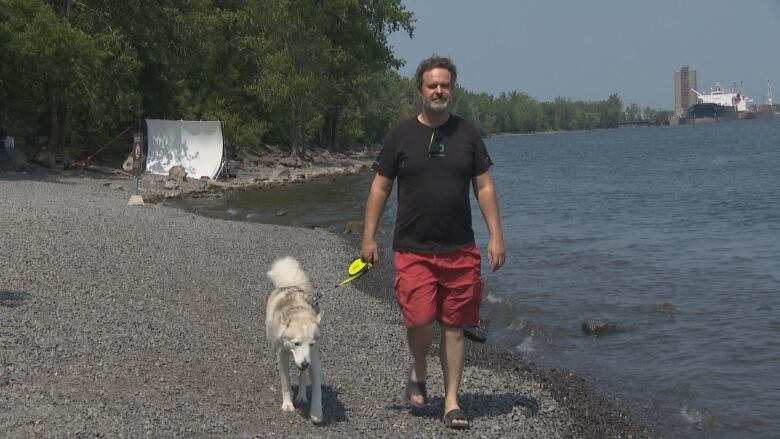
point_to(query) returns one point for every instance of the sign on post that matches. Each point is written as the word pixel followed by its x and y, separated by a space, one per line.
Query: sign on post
pixel 137 157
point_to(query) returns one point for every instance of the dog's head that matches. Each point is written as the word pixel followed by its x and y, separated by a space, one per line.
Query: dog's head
pixel 300 334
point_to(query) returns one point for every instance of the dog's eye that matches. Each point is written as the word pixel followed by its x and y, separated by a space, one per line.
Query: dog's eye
pixel 311 344
pixel 297 343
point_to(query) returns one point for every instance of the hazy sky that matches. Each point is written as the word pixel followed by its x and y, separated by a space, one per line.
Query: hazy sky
pixel 588 49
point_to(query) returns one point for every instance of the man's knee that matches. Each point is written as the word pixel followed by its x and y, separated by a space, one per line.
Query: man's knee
pixel 452 332
pixel 420 329
pixel 420 332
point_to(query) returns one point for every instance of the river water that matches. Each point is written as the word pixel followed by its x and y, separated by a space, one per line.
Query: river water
pixel 671 234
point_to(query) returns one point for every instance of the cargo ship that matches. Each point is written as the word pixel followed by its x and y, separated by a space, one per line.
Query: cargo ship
pixel 767 109
pixel 716 106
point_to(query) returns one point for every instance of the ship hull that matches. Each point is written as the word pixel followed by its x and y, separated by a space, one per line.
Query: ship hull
pixel 763 112
pixel 702 113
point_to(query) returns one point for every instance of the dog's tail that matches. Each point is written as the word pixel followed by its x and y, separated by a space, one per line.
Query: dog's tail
pixel 287 272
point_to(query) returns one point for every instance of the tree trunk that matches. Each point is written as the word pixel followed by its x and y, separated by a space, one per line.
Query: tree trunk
pixel 54 125
pixel 295 139
pixel 330 134
pixel 65 8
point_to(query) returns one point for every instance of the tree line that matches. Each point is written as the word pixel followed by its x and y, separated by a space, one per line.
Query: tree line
pixel 286 72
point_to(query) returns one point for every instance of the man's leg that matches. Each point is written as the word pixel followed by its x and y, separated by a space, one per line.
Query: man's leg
pixel 416 291
pixel 451 357
pixel 420 339
pixel 458 274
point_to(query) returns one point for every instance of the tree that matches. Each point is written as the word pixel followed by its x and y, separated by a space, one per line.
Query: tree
pixel 314 56
pixel 357 33
pixel 610 111
pixel 81 83
pixel 633 112
pixel 291 59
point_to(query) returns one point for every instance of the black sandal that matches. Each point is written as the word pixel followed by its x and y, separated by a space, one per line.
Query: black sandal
pixel 478 333
pixel 415 389
pixel 454 415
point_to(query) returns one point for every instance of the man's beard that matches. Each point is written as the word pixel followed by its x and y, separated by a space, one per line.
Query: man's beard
pixel 441 105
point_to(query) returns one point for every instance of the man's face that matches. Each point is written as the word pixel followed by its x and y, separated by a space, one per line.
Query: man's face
pixel 436 90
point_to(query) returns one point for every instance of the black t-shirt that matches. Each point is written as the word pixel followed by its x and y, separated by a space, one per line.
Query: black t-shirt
pixel 434 213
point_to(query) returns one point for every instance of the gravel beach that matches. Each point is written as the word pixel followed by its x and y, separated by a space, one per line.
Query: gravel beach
pixel 146 321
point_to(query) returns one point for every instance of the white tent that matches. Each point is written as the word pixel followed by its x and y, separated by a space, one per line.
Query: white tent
pixel 196 145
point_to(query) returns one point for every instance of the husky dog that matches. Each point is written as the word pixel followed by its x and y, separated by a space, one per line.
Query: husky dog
pixel 292 326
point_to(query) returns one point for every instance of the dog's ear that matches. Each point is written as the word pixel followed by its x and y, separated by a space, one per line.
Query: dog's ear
pixel 318 319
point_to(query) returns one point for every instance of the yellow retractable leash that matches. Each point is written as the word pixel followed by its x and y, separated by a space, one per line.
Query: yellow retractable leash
pixel 356 269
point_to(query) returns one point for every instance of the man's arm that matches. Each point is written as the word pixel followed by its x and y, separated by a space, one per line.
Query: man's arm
pixel 485 191
pixel 380 191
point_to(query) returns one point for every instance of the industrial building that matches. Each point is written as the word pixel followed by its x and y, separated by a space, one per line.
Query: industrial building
pixel 684 97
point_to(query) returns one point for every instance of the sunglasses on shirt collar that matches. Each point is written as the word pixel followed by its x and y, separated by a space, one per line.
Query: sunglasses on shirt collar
pixel 435 146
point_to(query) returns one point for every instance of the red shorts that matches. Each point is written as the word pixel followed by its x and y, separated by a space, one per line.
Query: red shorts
pixel 444 287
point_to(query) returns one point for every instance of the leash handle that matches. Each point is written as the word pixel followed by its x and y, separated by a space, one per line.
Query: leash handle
pixel 356 269
pixel 358 266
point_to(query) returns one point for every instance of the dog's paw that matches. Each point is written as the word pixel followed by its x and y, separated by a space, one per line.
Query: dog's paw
pixel 315 411
pixel 288 407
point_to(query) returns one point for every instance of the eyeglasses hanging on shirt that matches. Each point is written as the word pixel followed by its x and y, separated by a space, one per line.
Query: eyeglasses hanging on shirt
pixel 435 146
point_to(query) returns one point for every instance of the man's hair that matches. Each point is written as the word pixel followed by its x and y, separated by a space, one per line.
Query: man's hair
pixel 435 62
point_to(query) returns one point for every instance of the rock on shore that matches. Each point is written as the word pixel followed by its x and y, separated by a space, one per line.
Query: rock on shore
pixel 130 321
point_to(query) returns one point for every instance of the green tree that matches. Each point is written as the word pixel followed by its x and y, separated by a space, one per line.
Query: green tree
pixel 359 54
pixel 291 59
pixel 610 111
pixel 633 112
pixel 82 83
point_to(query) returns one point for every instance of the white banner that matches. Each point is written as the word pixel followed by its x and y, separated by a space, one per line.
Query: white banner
pixel 195 145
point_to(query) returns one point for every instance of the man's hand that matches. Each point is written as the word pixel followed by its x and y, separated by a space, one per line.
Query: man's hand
pixel 369 251
pixel 496 253
pixel 488 203
pixel 377 198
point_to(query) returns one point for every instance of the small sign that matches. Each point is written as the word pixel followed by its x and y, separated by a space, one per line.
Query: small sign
pixel 137 153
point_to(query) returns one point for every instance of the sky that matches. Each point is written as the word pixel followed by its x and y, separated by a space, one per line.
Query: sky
pixel 589 49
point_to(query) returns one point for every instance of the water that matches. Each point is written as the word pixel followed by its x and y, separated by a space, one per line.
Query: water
pixel 671 234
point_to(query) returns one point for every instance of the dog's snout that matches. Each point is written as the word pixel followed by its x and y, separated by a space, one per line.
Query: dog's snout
pixel 303 366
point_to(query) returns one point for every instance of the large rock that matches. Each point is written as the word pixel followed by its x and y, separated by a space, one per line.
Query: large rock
pixel 248 157
pixel 178 173
pixel 127 166
pixel 592 328
pixel 354 227
pixel 46 159
pixel 292 162
pixel 280 174
pixel 13 160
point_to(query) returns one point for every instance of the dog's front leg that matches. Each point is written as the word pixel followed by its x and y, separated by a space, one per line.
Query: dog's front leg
pixel 283 358
pixel 301 398
pixel 315 372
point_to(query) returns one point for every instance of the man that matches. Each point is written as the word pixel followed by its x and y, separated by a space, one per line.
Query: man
pixel 435 156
